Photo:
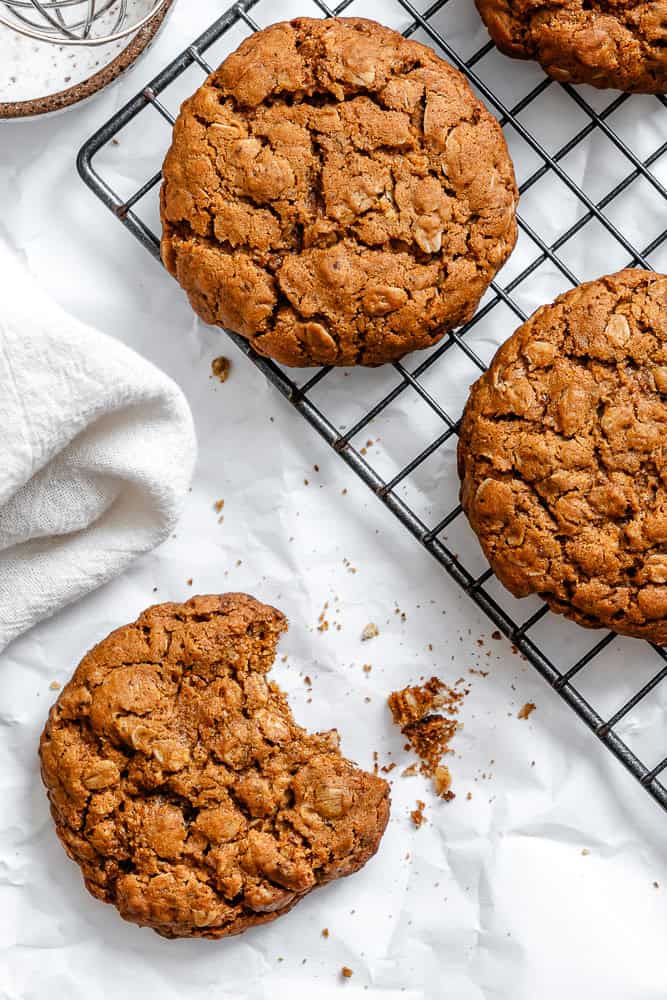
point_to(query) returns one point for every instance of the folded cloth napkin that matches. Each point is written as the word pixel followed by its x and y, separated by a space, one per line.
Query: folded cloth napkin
pixel 96 454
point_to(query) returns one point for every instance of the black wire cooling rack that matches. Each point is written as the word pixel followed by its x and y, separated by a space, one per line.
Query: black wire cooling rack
pixel 593 117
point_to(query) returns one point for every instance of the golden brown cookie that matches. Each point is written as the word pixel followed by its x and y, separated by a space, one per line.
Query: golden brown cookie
pixel 181 785
pixel 336 194
pixel 607 43
pixel 563 456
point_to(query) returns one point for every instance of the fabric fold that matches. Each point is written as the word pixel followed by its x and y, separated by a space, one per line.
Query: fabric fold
pixel 97 449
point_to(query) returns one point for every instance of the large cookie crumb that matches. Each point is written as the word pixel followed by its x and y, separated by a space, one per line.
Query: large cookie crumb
pixel 417 815
pixel 428 732
pixel 183 788
pixel 220 368
pixel 336 194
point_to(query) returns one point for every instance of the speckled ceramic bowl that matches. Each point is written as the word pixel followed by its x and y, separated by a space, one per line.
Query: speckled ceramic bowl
pixel 54 66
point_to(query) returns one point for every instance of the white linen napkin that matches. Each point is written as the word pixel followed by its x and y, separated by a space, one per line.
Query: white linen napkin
pixel 97 449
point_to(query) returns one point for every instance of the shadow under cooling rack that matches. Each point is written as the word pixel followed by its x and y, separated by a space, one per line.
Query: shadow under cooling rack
pixel 418 401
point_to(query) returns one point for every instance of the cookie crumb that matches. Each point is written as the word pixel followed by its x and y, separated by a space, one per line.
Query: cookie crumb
pixel 370 632
pixel 409 771
pixel 189 582
pixel 429 733
pixel 442 782
pixel 430 738
pixel 585 851
pixel 367 668
pixel 55 685
pixel 346 972
pixel 412 704
pixel 526 711
pixel 417 815
pixel 220 368
pixel 323 625
pixel 218 505
pixel 325 932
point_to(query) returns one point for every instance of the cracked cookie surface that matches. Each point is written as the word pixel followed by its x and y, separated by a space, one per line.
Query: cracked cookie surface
pixel 336 194
pixel 563 456
pixel 183 788
pixel 606 43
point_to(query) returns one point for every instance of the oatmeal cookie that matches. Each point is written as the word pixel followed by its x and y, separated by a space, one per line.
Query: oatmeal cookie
pixel 181 785
pixel 336 194
pixel 563 456
pixel 606 43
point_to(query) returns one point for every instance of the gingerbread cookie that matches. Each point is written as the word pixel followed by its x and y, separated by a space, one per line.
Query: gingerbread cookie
pixel 336 194
pixel 181 785
pixel 563 456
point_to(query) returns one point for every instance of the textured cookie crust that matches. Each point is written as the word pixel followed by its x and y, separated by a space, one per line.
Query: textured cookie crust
pixel 563 456
pixel 607 43
pixel 336 194
pixel 183 788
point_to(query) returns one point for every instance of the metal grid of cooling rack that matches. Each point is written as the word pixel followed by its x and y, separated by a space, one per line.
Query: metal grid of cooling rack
pixel 565 678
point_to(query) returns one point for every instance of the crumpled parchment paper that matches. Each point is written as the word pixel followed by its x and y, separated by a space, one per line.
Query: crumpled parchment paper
pixel 550 880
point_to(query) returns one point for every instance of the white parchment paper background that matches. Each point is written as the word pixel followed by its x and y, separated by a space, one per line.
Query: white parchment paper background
pixel 493 897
